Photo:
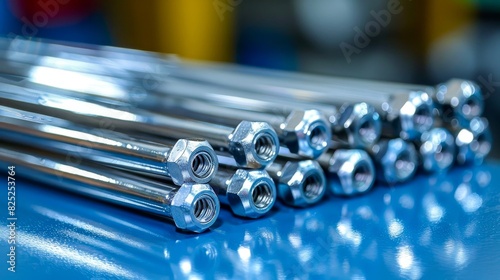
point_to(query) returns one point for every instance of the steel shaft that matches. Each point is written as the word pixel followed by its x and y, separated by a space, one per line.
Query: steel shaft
pixel 185 161
pixel 406 113
pixel 192 207
pixel 253 144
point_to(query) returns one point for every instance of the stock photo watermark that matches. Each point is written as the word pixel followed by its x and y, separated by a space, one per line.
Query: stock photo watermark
pixel 48 10
pixel 11 218
pixel 223 6
pixel 488 84
pixel 373 28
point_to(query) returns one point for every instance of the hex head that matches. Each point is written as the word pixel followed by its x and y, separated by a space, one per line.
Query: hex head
pixel 396 160
pixel 414 112
pixel 307 133
pixel 350 172
pixel 362 124
pixel 437 150
pixel 251 193
pixel 302 183
pixel 194 207
pixel 473 143
pixel 463 97
pixel 254 144
pixel 192 161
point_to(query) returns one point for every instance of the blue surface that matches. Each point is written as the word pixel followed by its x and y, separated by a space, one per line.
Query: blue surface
pixel 433 227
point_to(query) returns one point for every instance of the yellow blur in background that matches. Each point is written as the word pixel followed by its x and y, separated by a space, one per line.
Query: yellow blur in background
pixel 190 28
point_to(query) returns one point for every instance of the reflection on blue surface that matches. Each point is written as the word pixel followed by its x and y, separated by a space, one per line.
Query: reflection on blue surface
pixel 444 227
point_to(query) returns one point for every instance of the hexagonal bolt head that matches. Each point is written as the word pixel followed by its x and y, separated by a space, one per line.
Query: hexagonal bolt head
pixel 351 172
pixel 396 160
pixel 302 183
pixel 361 123
pixel 251 193
pixel 192 161
pixel 254 144
pixel 437 150
pixel 473 143
pixel 414 113
pixel 463 98
pixel 194 207
pixel 307 133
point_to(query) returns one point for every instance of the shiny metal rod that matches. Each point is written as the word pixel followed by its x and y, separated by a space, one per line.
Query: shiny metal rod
pixel 300 183
pixel 252 144
pixel 359 125
pixel 187 161
pixel 406 113
pixel 135 61
pixel 192 207
pixel 303 132
pixel 249 193
pixel 457 99
pixel 348 172
pixel 356 125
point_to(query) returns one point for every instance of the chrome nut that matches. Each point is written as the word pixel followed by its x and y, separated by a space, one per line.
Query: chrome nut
pixel 396 160
pixel 307 133
pixel 351 172
pixel 251 193
pixel 194 207
pixel 413 112
pixel 254 144
pixel 192 161
pixel 463 97
pixel 437 150
pixel 362 124
pixel 302 183
pixel 473 143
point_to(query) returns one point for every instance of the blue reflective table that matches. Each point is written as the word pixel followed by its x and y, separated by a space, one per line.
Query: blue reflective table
pixel 441 227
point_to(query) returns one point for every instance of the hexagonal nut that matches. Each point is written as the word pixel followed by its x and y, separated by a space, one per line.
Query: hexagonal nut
pixel 437 150
pixel 302 183
pixel 254 144
pixel 463 97
pixel 251 193
pixel 351 172
pixel 307 133
pixel 415 113
pixel 191 161
pixel 473 143
pixel 396 160
pixel 361 123
pixel 194 207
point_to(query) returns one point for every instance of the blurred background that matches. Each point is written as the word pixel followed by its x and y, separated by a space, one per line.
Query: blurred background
pixel 423 41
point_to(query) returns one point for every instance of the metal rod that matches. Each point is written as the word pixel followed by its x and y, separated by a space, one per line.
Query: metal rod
pixel 135 61
pixel 186 161
pixel 249 193
pixel 358 125
pixel 253 144
pixel 406 113
pixel 300 183
pixel 192 207
pixel 348 172
pixel 303 132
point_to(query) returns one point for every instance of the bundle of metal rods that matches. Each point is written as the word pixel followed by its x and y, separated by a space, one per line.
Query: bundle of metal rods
pixel 176 138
